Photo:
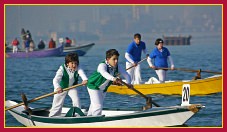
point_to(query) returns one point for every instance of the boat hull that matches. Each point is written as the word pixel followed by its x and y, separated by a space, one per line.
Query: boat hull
pixel 80 50
pixel 37 53
pixel 198 87
pixel 158 116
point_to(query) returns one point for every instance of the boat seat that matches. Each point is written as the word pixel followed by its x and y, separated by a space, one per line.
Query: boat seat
pixel 73 110
pixel 39 111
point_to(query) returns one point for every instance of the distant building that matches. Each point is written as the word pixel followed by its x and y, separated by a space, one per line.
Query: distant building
pixel 177 40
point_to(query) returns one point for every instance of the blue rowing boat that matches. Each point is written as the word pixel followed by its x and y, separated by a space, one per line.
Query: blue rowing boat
pixel 36 53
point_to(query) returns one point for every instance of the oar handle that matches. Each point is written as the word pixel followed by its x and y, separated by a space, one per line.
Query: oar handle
pixel 43 96
pixel 137 63
pixel 9 108
pixel 211 72
pixel 190 70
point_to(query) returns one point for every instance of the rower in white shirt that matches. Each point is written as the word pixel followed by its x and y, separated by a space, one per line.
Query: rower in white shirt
pixel 66 76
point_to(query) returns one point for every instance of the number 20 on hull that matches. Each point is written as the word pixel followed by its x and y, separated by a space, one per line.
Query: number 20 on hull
pixel 185 95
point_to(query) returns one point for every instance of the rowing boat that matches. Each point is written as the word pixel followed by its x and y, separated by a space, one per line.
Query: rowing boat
pixel 204 86
pixel 36 53
pixel 129 117
pixel 157 116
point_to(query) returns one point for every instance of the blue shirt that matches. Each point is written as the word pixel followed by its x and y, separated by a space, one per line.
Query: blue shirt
pixel 160 58
pixel 135 50
pixel 27 43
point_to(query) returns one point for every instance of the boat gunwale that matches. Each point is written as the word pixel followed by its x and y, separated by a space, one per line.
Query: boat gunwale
pixel 101 118
pixel 80 46
pixel 171 83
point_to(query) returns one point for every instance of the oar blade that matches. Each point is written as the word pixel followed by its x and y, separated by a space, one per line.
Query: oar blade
pixel 25 101
pixel 148 103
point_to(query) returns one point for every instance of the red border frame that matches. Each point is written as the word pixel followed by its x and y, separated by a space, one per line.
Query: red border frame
pixel 100 2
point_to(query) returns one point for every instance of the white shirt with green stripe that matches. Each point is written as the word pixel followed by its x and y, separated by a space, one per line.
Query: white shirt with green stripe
pixel 105 74
pixel 58 77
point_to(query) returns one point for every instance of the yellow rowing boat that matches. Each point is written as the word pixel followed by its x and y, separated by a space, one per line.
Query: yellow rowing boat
pixel 204 86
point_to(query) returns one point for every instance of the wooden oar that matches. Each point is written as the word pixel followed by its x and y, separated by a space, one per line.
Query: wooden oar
pixel 133 66
pixel 137 63
pixel 190 70
pixel 43 96
pixel 148 99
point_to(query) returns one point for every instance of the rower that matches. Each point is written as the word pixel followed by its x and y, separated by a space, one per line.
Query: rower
pixel 198 76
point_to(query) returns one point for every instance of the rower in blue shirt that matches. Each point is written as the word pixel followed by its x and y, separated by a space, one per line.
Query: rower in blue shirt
pixel 160 55
pixel 133 56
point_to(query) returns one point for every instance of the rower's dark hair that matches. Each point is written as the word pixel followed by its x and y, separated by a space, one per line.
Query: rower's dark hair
pixel 137 35
pixel 159 40
pixel 111 52
pixel 71 57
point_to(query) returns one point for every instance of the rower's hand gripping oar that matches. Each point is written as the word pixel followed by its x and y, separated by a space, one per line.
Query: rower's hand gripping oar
pixel 43 96
pixel 149 101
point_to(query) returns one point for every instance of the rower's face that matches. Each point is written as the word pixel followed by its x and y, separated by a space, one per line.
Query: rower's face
pixel 137 40
pixel 113 60
pixel 160 45
pixel 73 65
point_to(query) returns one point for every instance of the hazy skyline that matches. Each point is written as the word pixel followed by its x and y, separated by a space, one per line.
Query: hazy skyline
pixel 43 19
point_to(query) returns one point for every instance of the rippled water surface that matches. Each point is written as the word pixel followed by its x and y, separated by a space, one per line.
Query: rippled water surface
pixel 33 76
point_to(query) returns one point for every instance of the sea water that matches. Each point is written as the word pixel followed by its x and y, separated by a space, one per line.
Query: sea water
pixel 33 76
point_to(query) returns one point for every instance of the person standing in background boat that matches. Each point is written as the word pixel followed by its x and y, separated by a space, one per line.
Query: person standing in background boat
pixel 73 42
pixel 23 37
pixel 100 80
pixel 28 35
pixel 66 76
pixel 133 56
pixel 27 45
pixel 68 42
pixel 160 55
pixel 32 46
pixel 15 44
pixel 52 43
pixel 41 44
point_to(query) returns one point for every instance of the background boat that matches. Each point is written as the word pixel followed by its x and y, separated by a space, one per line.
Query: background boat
pixel 177 40
pixel 81 50
pixel 36 53
pixel 204 86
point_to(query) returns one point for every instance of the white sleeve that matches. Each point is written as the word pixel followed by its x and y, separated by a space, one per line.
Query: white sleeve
pixel 82 74
pixel 58 77
pixel 124 74
pixel 128 57
pixel 102 70
pixel 171 61
pixel 149 62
